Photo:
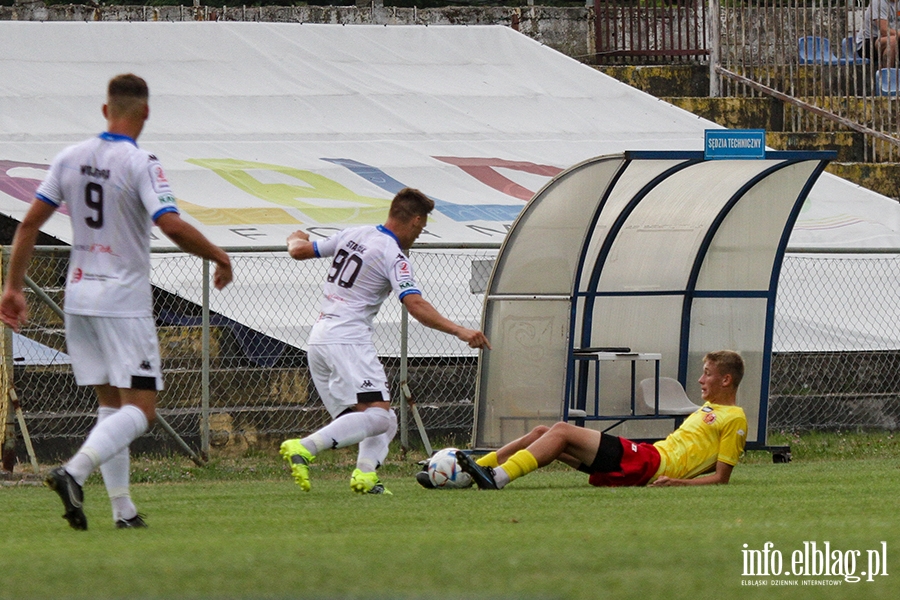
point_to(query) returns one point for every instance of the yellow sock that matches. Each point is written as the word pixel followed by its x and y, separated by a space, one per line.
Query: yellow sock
pixel 488 460
pixel 521 463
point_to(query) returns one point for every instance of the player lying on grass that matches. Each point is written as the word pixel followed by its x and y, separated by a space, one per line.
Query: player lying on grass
pixel 369 264
pixel 708 443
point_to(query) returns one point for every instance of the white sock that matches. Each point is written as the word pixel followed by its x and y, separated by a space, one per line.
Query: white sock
pixel 123 508
pixel 106 439
pixel 117 475
pixel 501 477
pixel 349 429
pixel 373 450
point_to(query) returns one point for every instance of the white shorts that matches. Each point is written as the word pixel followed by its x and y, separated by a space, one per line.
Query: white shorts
pixel 120 351
pixel 347 374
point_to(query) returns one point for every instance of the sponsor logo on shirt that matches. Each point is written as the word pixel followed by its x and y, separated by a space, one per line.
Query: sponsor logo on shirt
pixel 78 276
pixel 166 199
pixel 367 384
pixel 406 285
pixel 403 270
pixel 158 178
pixel 96 249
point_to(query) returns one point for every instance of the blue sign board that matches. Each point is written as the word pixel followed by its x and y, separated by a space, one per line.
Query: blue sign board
pixel 734 143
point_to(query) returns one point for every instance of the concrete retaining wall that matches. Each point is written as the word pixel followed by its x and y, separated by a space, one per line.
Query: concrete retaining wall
pixel 568 30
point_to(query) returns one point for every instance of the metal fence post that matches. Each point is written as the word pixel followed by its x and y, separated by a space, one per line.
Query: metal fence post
pixel 204 385
pixel 404 404
pixel 5 361
pixel 715 57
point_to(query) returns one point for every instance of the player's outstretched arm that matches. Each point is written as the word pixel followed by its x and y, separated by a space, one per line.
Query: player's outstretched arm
pixel 426 314
pixel 189 239
pixel 299 247
pixel 13 308
pixel 722 475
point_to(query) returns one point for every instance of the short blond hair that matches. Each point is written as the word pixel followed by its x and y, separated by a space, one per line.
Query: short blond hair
pixel 728 362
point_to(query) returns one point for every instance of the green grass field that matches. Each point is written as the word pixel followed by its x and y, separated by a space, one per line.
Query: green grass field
pixel 241 529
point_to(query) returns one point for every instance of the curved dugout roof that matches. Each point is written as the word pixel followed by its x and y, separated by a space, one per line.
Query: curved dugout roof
pixel 660 252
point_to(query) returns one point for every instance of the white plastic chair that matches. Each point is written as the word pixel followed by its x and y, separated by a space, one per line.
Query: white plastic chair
pixel 672 398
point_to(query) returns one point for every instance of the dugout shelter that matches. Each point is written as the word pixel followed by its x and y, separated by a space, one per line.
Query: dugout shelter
pixel 667 254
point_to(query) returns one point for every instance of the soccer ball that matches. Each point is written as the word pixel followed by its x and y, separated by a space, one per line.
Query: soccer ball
pixel 445 472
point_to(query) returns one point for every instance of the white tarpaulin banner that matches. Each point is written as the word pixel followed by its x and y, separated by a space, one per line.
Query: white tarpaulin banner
pixel 264 128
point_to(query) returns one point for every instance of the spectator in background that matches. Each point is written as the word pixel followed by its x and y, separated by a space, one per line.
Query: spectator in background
pixel 877 38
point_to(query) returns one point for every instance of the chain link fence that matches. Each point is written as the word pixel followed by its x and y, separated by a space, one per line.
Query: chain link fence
pixel 838 370
pixel 837 344
pixel 258 390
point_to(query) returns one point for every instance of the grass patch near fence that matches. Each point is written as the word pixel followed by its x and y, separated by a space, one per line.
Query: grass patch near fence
pixel 240 528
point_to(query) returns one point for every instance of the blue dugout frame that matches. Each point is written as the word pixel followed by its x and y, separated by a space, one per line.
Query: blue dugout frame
pixel 688 158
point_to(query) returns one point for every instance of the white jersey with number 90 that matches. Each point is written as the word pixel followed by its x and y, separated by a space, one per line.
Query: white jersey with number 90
pixel 367 265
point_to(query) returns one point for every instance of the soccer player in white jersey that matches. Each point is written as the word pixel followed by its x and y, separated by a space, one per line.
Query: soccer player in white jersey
pixel 114 193
pixel 369 263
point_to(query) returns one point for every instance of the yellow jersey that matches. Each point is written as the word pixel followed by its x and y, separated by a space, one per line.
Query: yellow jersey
pixel 713 433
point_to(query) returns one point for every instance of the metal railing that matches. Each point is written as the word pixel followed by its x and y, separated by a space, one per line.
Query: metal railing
pixel 802 53
pixel 805 54
pixel 635 31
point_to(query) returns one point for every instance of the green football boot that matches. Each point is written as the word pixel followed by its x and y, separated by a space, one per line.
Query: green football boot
pixel 299 459
pixel 367 483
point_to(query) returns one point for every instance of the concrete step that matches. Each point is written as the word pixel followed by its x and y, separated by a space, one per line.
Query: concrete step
pixel 693 80
pixel 237 387
pixel 847 144
pixel 660 81
pixel 883 178
pixel 687 86
pixel 773 115
pixel 734 113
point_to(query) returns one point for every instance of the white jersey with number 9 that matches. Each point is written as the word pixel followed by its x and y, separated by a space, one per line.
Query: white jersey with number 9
pixel 113 192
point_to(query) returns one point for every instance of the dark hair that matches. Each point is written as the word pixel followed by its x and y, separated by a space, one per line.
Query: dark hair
pixel 128 85
pixel 728 362
pixel 409 203
pixel 127 95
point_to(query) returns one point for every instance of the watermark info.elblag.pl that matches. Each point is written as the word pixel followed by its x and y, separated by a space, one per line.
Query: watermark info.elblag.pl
pixel 812 564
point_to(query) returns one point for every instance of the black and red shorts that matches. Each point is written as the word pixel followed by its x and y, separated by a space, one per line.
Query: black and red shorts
pixel 621 462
